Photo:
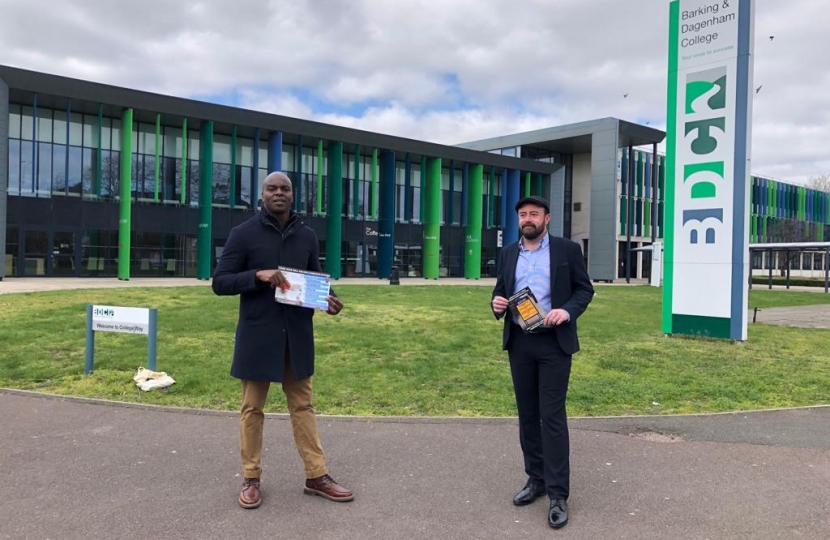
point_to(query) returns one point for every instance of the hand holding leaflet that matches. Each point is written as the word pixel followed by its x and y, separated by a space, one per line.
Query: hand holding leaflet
pixel 304 288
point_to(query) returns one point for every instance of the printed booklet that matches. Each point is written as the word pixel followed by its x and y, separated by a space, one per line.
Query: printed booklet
pixel 305 289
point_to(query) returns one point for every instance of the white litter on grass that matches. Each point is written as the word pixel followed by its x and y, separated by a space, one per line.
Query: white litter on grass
pixel 149 380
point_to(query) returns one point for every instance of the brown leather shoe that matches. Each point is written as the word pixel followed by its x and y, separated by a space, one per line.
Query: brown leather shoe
pixel 325 486
pixel 249 496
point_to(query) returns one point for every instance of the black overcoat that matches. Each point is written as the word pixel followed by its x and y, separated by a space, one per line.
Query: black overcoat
pixel 266 326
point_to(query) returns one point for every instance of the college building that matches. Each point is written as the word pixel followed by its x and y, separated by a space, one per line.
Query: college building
pixel 97 180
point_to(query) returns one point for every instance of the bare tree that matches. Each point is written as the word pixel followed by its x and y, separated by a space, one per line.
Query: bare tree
pixel 788 231
pixel 820 182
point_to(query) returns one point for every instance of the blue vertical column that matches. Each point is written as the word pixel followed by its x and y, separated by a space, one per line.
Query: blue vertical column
pixel 298 181
pixel 386 214
pixel 255 191
pixel 275 152
pixel 511 221
pixel 66 160
pixel 34 155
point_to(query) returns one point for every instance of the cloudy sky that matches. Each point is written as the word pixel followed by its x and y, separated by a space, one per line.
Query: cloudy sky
pixel 441 70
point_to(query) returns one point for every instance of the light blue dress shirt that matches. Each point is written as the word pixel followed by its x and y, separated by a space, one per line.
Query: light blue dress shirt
pixel 533 271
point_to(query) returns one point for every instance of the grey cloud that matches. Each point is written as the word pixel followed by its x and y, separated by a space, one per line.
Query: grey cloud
pixel 518 65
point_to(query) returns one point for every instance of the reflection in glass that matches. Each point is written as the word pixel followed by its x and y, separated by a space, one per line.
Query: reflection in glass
pixel 44 169
pixel 110 171
pixel 14 167
pixel 75 170
pixel 221 183
pixel 88 172
pixel 58 169
pixel 26 168
pixel 193 180
pixel 243 177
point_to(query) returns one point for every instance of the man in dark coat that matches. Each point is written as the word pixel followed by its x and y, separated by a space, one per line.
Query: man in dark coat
pixel 553 269
pixel 274 341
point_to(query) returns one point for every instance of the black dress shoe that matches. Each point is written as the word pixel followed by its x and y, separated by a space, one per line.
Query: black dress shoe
pixel 532 491
pixel 558 514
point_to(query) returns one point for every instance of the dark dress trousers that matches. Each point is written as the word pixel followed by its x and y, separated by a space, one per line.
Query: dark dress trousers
pixel 540 363
pixel 266 327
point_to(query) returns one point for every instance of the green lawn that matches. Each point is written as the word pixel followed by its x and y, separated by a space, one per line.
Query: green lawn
pixel 420 350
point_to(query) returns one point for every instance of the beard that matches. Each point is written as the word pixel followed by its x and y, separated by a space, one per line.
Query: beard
pixel 531 231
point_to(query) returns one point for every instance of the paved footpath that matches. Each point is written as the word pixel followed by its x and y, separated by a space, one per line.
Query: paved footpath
pixel 77 470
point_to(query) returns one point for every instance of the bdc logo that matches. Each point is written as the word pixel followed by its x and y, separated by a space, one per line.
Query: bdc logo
pixel 100 312
pixel 704 128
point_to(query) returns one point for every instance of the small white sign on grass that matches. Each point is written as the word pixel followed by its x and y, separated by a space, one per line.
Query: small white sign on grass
pixel 128 320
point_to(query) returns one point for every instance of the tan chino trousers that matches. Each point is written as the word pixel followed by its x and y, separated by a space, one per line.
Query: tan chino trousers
pixel 303 422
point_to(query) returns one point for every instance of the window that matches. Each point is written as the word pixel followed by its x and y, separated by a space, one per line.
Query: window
pixel 14 167
pixel 44 169
pixel 14 121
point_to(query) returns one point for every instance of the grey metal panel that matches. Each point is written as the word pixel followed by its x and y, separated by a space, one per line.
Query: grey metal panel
pixel 603 138
pixel 629 133
pixel 557 202
pixel 4 169
pixel 540 135
pixel 602 245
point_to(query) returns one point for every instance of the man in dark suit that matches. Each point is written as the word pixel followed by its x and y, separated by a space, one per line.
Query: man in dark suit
pixel 553 269
pixel 274 341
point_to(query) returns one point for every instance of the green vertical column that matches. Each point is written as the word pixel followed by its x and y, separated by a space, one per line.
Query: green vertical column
pixel 375 183
pixel 233 167
pixel 125 192
pixel 472 236
pixel 423 205
pixel 432 220
pixel 158 156
pixel 334 207
pixel 527 185
pixel 539 188
pixel 491 196
pixel 356 186
pixel 319 198
pixel 204 241
pixel 183 187
pixel 99 159
pixel 646 217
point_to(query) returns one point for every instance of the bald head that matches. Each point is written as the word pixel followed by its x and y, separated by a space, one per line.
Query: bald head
pixel 274 176
pixel 277 194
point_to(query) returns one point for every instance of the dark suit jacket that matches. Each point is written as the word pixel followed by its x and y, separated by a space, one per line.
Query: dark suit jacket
pixel 570 288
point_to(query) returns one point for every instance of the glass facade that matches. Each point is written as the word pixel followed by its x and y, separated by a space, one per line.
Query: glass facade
pixel 65 159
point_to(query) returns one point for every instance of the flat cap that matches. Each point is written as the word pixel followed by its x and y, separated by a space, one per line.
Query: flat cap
pixel 533 199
